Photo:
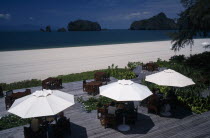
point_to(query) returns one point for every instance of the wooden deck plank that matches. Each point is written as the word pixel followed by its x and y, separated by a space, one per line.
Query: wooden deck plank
pixel 148 125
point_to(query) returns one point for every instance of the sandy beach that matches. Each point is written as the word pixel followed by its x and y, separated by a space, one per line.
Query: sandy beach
pixel 43 63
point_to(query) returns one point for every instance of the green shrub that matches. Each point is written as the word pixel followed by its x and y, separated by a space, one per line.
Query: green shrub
pixel 103 100
pixel 21 84
pixel 133 65
pixel 194 67
pixel 11 120
pixel 113 71
pixel 178 59
pixel 120 73
pixel 35 82
pixel 78 76
pixel 196 104
pixel 89 105
pixel 92 103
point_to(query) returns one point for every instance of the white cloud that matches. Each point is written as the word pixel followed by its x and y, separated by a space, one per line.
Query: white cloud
pixel 31 18
pixel 128 16
pixel 132 15
pixel 146 12
pixel 6 16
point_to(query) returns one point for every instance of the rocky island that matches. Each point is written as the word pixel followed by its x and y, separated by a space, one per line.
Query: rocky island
pixel 61 29
pixel 84 25
pixel 157 22
pixel 47 29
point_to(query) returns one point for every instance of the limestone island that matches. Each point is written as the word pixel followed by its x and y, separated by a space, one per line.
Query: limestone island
pixel 157 22
pixel 84 25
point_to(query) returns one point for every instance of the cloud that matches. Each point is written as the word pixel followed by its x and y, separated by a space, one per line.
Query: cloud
pixel 133 15
pixel 146 12
pixel 6 16
pixel 31 18
pixel 128 16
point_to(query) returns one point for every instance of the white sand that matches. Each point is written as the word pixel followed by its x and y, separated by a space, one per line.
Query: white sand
pixel 40 64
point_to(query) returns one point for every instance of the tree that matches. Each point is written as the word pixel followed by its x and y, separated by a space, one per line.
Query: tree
pixel 194 21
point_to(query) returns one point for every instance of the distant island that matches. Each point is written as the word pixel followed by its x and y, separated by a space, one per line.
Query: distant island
pixel 62 30
pixel 78 25
pixel 84 25
pixel 47 29
pixel 157 22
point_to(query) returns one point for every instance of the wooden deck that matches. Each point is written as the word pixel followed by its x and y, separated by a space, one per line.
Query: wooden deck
pixel 182 125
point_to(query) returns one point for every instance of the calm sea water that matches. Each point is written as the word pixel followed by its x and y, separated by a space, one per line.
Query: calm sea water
pixel 39 40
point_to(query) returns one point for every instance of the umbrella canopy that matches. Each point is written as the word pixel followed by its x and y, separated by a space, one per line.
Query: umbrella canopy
pixel 169 77
pixel 205 43
pixel 42 103
pixel 125 90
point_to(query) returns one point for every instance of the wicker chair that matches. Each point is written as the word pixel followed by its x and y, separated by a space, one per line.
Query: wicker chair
pixel 21 94
pixel 52 83
pixel 1 92
pixel 63 129
pixel 9 93
pixel 109 121
pixel 153 104
pixel 84 85
pixel 131 116
pixel 101 112
pixel 150 67
pixel 102 76
pixel 28 133
pixel 106 78
pixel 89 89
pixel 8 99
pixel 11 97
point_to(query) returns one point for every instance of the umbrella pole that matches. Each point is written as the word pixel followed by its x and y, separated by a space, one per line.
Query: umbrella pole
pixel 123 127
pixel 123 119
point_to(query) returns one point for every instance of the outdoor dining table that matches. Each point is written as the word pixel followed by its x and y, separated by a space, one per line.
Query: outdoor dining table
pixel 150 67
pixel 124 91
pixel 124 112
pixel 52 83
pixel 93 87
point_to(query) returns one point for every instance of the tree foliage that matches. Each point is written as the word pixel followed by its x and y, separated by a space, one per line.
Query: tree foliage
pixel 193 21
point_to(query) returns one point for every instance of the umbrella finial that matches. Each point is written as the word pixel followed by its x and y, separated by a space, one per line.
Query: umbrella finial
pixel 125 82
pixel 42 93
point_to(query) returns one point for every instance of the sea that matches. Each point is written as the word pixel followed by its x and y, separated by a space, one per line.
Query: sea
pixel 27 40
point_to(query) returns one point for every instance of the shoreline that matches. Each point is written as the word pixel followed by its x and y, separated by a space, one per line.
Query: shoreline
pixel 43 63
pixel 89 45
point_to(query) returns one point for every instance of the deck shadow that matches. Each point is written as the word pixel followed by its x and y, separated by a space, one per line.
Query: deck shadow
pixel 180 112
pixel 142 126
pixel 78 131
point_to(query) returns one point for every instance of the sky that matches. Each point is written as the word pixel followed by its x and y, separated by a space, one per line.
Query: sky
pixel 110 14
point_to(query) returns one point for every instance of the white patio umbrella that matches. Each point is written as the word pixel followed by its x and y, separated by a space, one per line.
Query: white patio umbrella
pixel 42 103
pixel 205 43
pixel 125 90
pixel 169 77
